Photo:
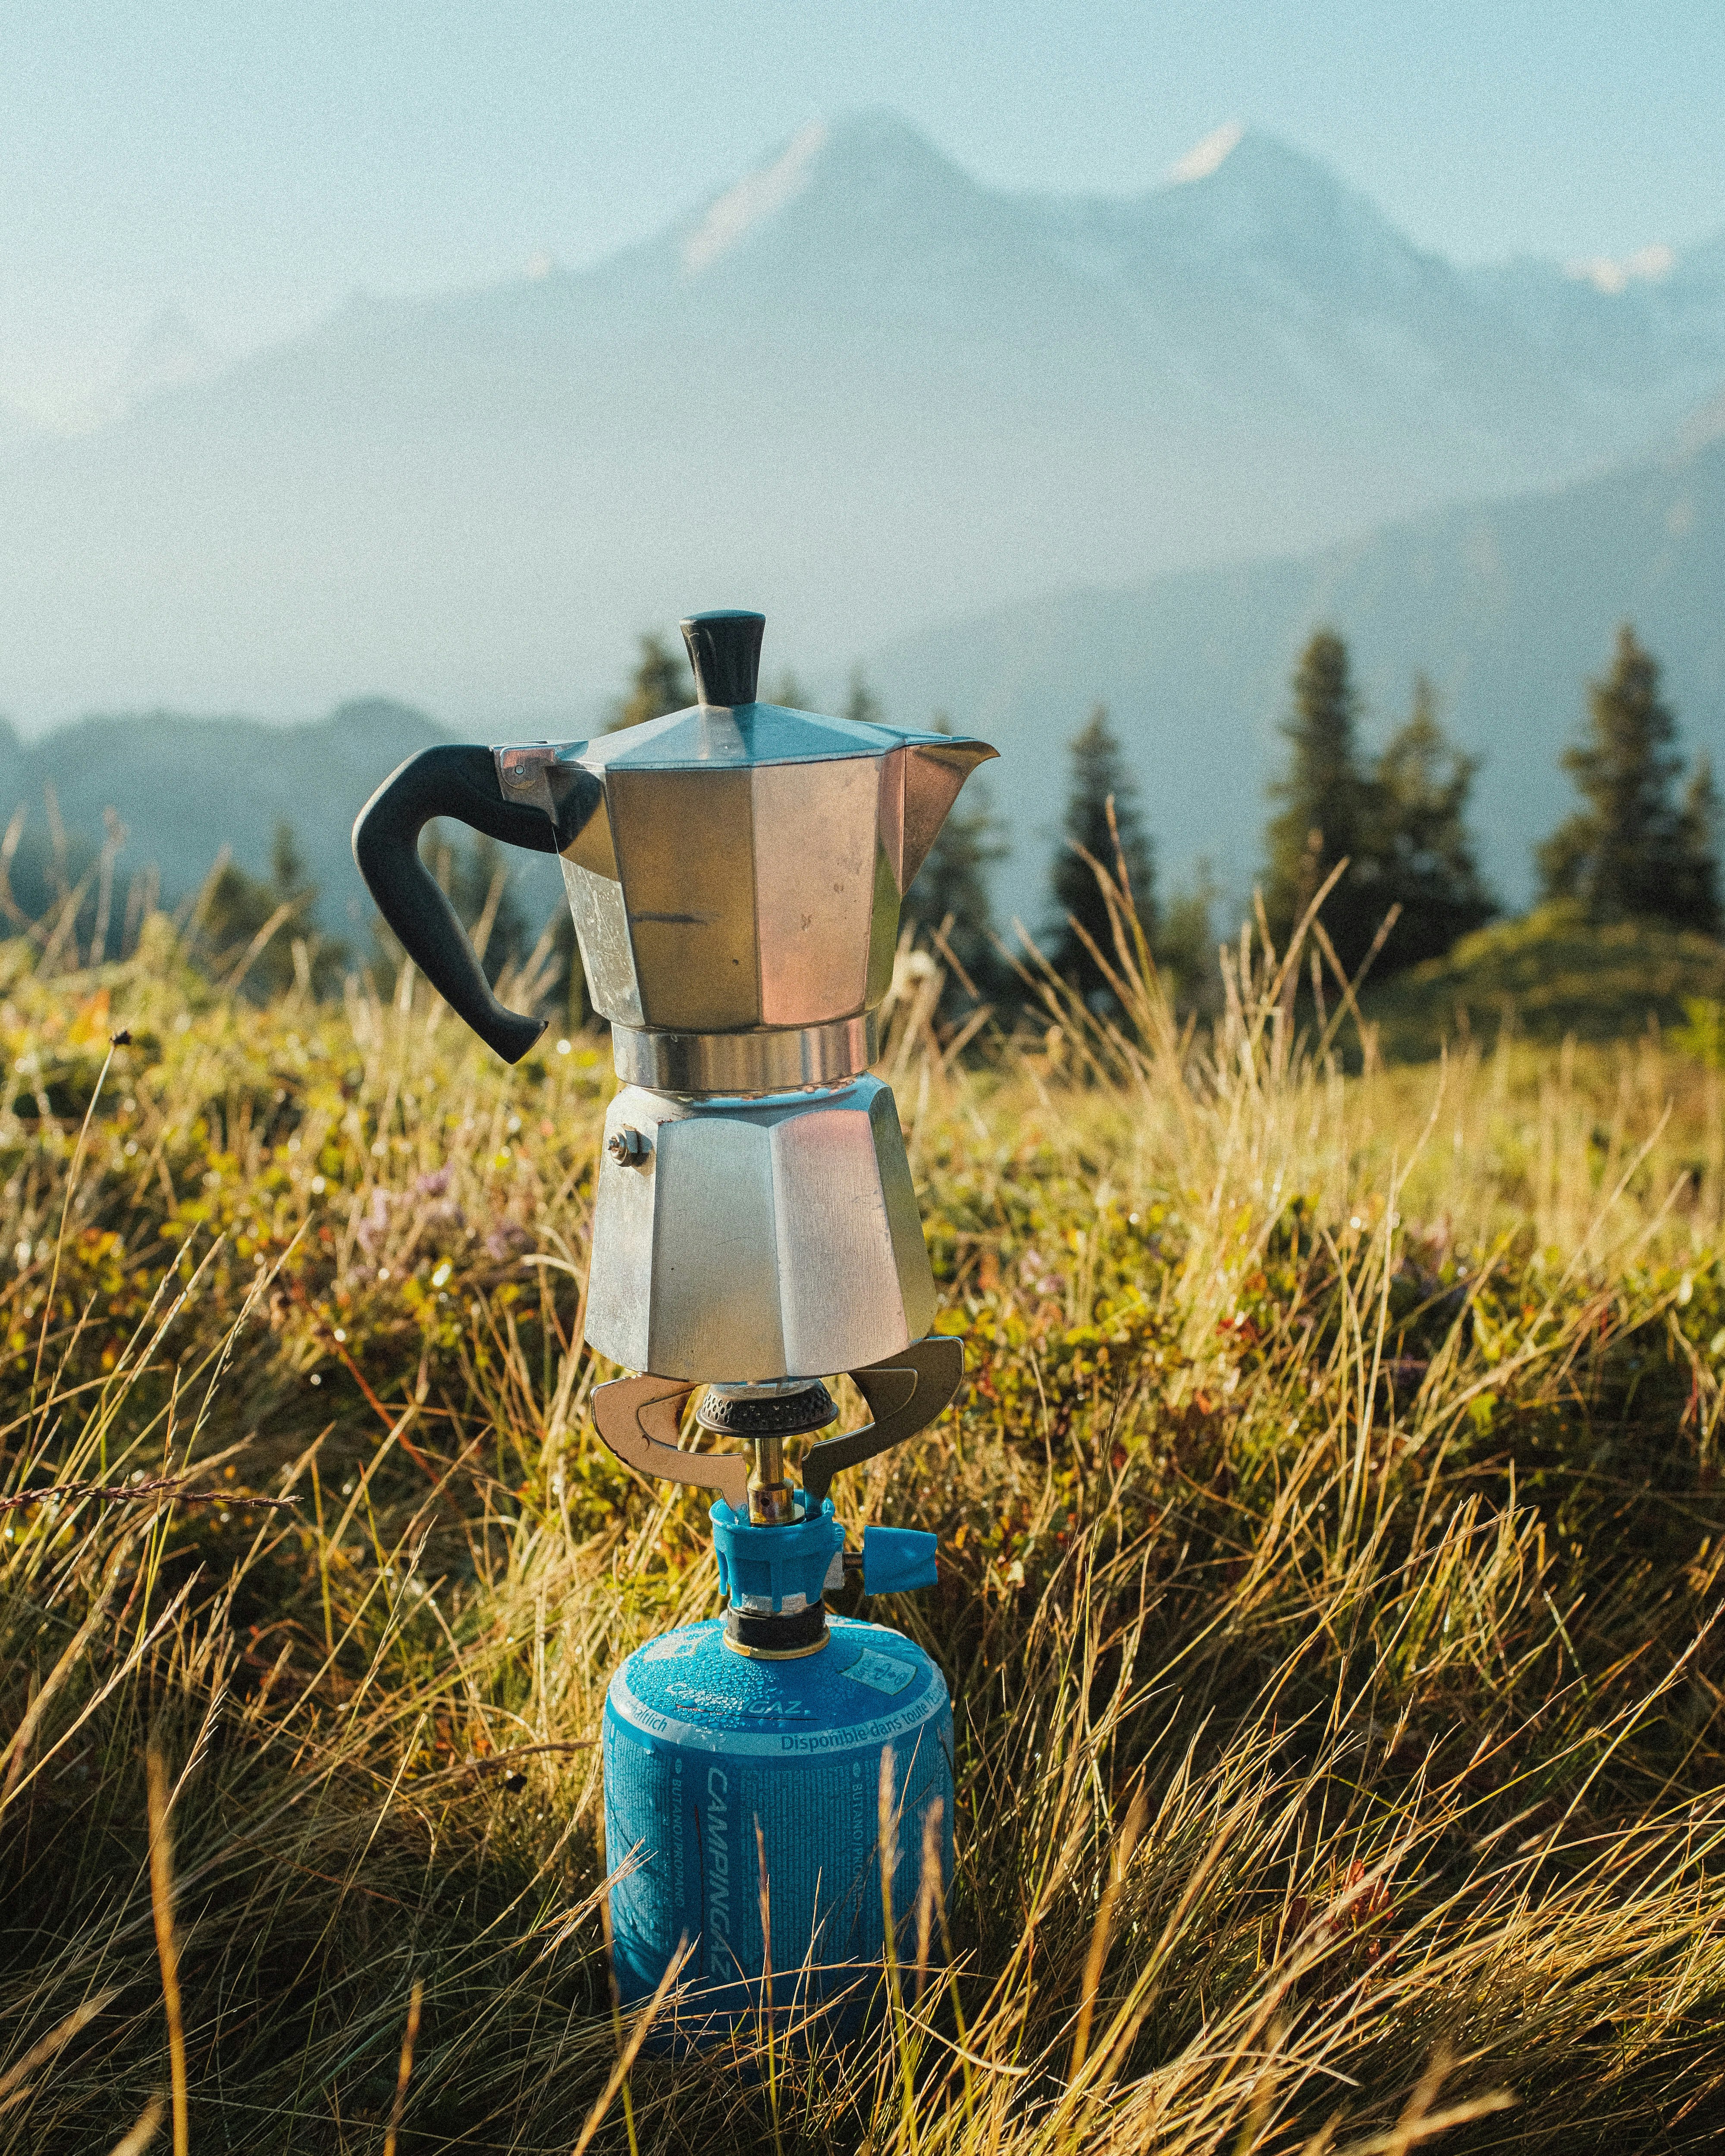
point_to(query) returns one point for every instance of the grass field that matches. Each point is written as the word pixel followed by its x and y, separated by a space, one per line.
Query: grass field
pixel 1551 977
pixel 1333 1548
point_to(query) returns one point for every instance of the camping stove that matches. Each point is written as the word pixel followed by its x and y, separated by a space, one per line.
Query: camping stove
pixel 735 872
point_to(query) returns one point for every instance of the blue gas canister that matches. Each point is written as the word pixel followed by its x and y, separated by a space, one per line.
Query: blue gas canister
pixel 723 1770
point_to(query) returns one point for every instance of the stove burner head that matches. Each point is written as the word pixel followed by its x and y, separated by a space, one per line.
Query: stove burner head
pixel 767 1414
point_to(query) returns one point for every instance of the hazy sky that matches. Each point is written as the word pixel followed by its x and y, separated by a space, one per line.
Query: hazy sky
pixel 248 166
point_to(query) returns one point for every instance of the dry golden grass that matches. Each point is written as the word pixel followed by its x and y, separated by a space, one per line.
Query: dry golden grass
pixel 1331 1561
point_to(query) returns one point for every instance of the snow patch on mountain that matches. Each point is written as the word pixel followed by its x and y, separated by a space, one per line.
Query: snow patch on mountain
pixel 1207 156
pixel 758 195
pixel 1648 265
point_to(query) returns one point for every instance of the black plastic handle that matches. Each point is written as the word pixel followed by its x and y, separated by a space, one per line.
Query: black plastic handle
pixel 459 781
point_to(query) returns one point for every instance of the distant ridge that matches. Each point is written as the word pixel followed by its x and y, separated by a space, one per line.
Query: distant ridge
pixel 186 788
pixel 1509 606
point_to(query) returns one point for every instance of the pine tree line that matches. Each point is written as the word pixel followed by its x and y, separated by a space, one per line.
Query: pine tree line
pixel 1411 887
pixel 1390 827
pixel 1635 849
pixel 1394 822
pixel 260 933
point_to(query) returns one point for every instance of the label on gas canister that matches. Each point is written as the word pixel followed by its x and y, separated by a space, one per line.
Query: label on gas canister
pixel 881 1672
pixel 707 1806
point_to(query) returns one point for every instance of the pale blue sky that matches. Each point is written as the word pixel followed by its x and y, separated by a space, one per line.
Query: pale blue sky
pixel 250 165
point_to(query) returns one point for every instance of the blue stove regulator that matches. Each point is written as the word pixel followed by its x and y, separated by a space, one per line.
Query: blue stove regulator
pixel 725 1764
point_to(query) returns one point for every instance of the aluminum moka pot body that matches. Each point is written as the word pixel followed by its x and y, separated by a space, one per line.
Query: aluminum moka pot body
pixel 759 1236
pixel 739 870
pixel 735 873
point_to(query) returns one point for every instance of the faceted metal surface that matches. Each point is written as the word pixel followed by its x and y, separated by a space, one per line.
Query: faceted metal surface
pixel 758 1238
pixel 731 869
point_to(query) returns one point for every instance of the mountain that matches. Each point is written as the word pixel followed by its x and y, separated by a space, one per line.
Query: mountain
pixel 1605 322
pixel 1264 265
pixel 1510 607
pixel 857 389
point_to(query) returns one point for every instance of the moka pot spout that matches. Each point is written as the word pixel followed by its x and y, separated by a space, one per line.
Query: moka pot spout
pixel 930 774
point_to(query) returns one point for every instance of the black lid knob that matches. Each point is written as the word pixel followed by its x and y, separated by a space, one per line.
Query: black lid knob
pixel 725 651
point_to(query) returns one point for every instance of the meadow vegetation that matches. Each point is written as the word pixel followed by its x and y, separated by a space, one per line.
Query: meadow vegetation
pixel 1332 1556
pixel 1552 976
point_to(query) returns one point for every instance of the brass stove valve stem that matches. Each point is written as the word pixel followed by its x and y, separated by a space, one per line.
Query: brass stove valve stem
pixel 766 1415
pixel 772 1498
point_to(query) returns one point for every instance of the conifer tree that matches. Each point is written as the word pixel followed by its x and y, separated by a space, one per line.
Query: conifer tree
pixel 950 894
pixel 287 867
pixel 789 691
pixel 1419 852
pixel 1698 826
pixel 862 704
pixel 238 907
pixel 1633 850
pixel 1328 811
pixel 1185 938
pixel 661 683
pixel 1100 778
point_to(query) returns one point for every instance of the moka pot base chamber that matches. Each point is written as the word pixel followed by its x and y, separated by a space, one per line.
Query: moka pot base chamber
pixel 755 1238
